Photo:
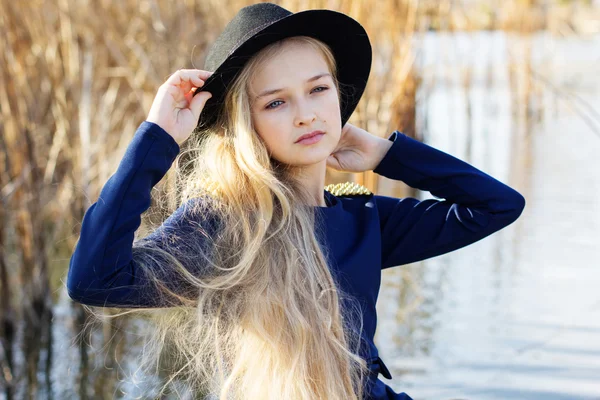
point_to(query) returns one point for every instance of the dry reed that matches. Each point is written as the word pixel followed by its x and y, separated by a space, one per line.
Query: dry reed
pixel 76 79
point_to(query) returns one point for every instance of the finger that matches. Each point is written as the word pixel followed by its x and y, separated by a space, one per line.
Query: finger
pixel 190 82
pixel 189 95
pixel 198 102
pixel 204 74
pixel 194 75
pixel 184 81
pixel 200 72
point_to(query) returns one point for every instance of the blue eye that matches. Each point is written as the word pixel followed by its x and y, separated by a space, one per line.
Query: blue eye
pixel 271 106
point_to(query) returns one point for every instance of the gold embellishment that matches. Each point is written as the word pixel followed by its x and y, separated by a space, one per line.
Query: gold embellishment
pixel 347 189
pixel 199 187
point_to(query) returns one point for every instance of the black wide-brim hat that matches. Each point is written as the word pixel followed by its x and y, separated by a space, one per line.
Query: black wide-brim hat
pixel 255 27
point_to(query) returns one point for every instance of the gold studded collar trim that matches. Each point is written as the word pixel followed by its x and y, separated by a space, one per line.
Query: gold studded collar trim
pixel 347 189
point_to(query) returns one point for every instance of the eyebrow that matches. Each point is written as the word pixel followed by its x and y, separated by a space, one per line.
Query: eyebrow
pixel 273 91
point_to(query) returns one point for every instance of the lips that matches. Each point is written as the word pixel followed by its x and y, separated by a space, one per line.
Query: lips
pixel 309 135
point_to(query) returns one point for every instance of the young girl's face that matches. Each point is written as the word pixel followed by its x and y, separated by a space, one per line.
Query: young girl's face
pixel 293 94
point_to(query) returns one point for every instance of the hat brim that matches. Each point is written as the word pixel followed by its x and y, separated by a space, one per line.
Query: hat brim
pixel 346 37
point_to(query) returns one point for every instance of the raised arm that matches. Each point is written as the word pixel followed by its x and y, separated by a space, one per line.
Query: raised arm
pixel 104 268
pixel 474 204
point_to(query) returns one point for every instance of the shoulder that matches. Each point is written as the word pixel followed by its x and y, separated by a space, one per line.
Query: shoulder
pixel 195 211
pixel 348 189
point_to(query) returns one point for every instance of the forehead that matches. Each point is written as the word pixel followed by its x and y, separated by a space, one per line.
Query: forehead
pixel 292 64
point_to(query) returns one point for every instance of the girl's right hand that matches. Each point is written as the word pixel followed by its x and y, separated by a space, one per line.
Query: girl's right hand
pixel 175 108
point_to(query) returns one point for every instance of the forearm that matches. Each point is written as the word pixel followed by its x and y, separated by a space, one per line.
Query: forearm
pixel 445 176
pixel 104 249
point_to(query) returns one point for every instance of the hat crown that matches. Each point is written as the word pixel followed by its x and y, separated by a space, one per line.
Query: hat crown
pixel 248 21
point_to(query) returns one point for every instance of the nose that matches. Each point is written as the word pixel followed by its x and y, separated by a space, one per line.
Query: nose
pixel 305 114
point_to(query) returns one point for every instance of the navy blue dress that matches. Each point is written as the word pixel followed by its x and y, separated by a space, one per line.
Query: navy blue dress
pixel 363 233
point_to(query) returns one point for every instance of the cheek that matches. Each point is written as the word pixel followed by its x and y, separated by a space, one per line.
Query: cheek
pixel 275 127
pixel 267 119
pixel 261 125
pixel 270 135
pixel 332 105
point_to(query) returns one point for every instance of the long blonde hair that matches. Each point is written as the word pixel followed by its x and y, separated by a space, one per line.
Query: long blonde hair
pixel 257 313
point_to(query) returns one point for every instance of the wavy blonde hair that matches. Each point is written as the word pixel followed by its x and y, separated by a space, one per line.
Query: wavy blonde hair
pixel 257 313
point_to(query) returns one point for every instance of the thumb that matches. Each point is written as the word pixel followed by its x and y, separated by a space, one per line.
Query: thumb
pixel 198 102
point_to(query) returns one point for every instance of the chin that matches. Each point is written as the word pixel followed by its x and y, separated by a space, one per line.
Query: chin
pixel 310 155
pixel 312 159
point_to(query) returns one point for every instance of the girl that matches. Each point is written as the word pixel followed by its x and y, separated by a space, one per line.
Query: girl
pixel 262 283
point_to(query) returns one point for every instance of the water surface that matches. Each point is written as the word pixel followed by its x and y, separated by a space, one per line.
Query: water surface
pixel 516 315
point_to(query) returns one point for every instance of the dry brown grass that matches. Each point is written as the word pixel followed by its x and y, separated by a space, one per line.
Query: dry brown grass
pixel 76 79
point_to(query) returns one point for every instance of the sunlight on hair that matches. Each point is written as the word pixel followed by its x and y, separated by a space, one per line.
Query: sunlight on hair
pixel 258 314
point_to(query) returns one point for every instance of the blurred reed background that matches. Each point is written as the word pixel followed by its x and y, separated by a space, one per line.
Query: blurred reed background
pixel 76 79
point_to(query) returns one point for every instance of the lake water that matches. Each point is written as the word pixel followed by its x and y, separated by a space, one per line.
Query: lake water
pixel 516 315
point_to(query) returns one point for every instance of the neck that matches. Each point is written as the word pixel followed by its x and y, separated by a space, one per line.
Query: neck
pixel 312 177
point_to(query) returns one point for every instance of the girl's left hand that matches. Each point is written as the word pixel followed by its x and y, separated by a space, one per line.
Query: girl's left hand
pixel 358 150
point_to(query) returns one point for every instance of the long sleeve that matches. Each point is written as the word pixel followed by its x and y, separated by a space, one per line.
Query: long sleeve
pixel 103 269
pixel 474 204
